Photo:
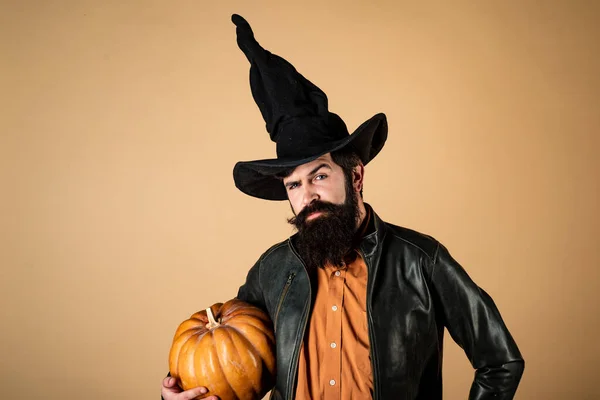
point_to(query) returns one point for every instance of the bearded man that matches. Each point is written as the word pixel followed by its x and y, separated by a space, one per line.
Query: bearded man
pixel 359 305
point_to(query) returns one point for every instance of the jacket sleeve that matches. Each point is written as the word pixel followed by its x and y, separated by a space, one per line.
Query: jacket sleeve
pixel 251 291
pixel 475 324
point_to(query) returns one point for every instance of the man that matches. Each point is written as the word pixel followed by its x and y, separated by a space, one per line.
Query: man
pixel 359 306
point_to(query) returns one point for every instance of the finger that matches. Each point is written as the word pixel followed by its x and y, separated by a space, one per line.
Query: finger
pixel 192 393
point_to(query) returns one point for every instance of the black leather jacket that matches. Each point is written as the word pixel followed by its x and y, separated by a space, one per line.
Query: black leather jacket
pixel 415 289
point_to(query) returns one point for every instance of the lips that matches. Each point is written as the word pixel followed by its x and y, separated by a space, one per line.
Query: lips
pixel 314 215
pixel 314 211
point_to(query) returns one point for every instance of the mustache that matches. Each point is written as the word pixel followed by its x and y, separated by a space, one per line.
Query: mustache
pixel 315 206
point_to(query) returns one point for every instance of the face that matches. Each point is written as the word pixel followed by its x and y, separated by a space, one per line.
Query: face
pixel 321 180
pixel 326 207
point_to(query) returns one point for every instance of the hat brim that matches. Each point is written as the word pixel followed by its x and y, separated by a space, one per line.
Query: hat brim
pixel 259 178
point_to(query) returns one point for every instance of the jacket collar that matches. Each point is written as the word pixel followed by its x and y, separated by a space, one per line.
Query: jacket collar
pixel 375 234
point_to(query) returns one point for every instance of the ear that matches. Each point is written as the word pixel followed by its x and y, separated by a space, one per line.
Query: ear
pixel 358 176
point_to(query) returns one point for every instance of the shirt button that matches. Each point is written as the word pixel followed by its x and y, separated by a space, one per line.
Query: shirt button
pixel 337 273
pixel 332 382
pixel 333 345
pixel 334 308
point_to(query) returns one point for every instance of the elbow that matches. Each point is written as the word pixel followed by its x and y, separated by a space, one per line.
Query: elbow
pixel 514 371
pixel 516 368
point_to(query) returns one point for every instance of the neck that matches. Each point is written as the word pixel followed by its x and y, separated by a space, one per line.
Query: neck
pixel 362 213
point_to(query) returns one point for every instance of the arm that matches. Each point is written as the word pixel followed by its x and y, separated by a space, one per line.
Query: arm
pixel 475 324
pixel 251 291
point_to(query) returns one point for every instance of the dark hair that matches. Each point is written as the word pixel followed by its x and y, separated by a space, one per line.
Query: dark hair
pixel 347 158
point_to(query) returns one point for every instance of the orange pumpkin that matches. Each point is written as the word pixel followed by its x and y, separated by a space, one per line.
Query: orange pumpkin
pixel 228 348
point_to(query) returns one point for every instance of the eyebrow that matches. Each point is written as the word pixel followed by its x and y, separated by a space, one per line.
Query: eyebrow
pixel 314 171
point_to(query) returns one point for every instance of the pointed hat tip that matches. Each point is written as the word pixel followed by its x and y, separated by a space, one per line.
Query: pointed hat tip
pixel 245 39
pixel 242 25
pixel 237 19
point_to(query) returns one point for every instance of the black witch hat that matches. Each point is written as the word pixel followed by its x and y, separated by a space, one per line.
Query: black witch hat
pixel 297 119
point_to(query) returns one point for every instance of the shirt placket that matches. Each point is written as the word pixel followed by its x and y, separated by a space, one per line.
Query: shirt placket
pixel 334 333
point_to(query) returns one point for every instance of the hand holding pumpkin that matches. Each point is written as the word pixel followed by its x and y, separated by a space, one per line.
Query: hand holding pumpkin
pixel 171 391
pixel 227 348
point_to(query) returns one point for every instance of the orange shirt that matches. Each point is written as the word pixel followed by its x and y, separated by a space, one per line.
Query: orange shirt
pixel 334 358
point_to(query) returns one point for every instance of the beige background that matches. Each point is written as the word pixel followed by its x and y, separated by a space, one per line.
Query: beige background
pixel 121 122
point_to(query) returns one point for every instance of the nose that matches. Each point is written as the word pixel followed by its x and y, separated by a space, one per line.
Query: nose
pixel 309 196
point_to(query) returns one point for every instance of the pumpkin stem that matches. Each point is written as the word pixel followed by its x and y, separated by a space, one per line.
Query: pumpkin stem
pixel 212 323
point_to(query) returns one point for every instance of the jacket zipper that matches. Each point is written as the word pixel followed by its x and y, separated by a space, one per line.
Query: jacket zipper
pixel 372 352
pixel 294 364
pixel 288 283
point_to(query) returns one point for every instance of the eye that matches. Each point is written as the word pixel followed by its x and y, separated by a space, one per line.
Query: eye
pixel 292 186
pixel 320 177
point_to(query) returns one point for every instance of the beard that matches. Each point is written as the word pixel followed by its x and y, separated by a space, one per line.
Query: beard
pixel 327 238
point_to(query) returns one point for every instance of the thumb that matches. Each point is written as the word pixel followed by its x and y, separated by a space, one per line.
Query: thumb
pixel 169 381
